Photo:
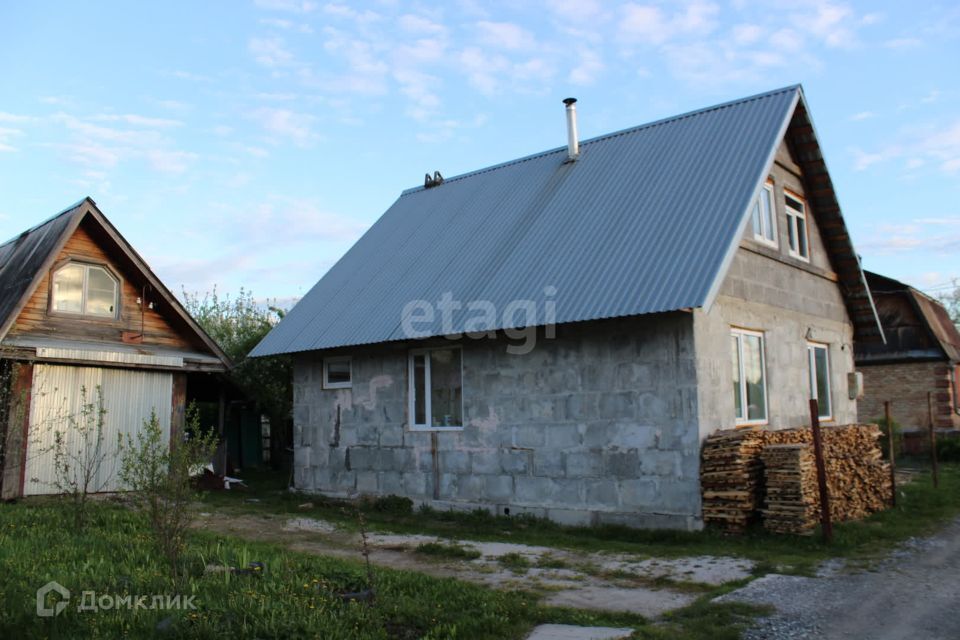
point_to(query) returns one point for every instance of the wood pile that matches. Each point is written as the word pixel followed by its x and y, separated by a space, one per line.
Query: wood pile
pixel 747 470
pixel 731 478
pixel 792 500
pixel 858 479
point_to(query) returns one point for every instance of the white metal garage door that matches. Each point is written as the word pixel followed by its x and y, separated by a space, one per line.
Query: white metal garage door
pixel 128 397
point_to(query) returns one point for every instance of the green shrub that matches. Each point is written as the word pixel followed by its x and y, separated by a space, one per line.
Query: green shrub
pixel 948 449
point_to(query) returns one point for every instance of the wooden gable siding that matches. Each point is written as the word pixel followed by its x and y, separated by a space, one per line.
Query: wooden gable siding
pixel 35 318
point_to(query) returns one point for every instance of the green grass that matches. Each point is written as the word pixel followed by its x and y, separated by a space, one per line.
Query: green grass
pixel 444 550
pixel 515 562
pixel 919 510
pixel 296 595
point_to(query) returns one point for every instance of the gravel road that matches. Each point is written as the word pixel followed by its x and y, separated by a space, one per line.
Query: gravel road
pixel 913 594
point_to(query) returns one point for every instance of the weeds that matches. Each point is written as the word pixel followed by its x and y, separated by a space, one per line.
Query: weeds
pixel 451 550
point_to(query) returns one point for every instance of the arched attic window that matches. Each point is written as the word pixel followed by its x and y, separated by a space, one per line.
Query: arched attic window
pixel 85 289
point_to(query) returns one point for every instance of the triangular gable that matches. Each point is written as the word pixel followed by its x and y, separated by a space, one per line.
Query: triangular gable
pixel 801 138
pixel 27 260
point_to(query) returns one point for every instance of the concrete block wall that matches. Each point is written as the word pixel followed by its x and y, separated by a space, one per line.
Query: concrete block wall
pixel 906 385
pixel 596 425
pixel 790 306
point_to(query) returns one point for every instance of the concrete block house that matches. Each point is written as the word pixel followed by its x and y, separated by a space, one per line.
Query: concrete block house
pixel 557 334
pixel 80 311
pixel 921 356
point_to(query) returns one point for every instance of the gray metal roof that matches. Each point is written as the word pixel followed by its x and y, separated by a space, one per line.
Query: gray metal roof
pixel 645 221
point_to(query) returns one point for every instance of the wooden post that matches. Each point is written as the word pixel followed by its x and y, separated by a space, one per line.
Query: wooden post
pixel 893 463
pixel 825 521
pixel 933 442
pixel 221 427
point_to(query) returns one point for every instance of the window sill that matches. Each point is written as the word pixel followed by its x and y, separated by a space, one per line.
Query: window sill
pixel 753 423
pixel 773 244
pixel 423 428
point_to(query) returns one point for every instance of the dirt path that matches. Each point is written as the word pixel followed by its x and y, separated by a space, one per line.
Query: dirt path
pixel 610 581
pixel 914 593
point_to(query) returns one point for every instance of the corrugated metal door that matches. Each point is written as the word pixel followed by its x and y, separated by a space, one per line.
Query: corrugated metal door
pixel 57 401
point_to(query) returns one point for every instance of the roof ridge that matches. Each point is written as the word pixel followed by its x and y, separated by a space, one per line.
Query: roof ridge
pixel 614 134
pixel 76 205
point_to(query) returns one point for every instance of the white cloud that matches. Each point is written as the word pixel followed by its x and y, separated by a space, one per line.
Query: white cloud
pixel 270 52
pixel 649 24
pixel 286 25
pixel 138 121
pixel 285 123
pixel 419 25
pixel 747 33
pixel 6 136
pixel 290 6
pixel 167 161
pixel 862 115
pixel 505 35
pixel 589 66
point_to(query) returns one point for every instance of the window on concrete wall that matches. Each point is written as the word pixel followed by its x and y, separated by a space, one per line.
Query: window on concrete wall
pixel 797 226
pixel 436 388
pixel 84 289
pixel 764 217
pixel 818 365
pixel 749 377
pixel 338 372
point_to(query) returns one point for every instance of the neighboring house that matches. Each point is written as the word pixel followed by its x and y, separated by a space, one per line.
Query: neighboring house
pixel 921 357
pixel 80 311
pixel 556 335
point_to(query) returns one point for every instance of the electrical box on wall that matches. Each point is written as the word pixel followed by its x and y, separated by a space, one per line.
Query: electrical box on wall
pixel 855 385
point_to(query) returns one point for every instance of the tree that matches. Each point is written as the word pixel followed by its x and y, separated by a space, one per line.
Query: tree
pixel 951 301
pixel 238 324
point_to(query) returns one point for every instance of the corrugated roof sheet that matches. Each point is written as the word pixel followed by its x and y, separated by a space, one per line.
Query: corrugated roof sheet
pixel 642 222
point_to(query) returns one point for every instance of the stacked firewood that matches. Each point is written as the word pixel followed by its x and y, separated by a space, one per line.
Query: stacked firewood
pixel 792 500
pixel 858 480
pixel 731 478
pixel 737 465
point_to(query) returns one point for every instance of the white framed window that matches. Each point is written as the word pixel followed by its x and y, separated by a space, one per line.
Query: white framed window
pixel 338 372
pixel 797 226
pixel 436 389
pixel 749 376
pixel 85 289
pixel 818 365
pixel 764 217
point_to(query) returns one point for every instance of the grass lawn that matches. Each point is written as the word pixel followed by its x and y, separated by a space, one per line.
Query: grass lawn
pixel 294 596
pixel 920 509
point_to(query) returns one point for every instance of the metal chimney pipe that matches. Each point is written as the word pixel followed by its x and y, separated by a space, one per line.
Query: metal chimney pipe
pixel 573 141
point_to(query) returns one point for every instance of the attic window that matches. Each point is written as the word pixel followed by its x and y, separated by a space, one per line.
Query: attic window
pixel 797 227
pixel 84 289
pixel 764 218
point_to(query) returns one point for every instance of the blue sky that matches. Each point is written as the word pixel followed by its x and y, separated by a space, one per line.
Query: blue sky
pixel 249 144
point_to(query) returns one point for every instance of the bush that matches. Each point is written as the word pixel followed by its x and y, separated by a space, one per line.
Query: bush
pixel 452 550
pixel 158 474
pixel 948 449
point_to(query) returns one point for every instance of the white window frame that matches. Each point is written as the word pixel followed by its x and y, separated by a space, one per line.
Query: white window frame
pixel 812 372
pixel 792 216
pixel 86 266
pixel 761 237
pixel 745 420
pixel 428 401
pixel 337 385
